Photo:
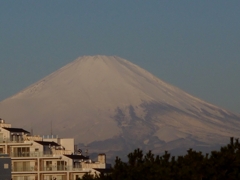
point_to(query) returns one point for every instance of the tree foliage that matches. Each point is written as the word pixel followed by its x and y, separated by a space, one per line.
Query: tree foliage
pixel 218 165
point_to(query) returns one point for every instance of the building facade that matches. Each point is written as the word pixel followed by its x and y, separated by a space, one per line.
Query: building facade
pixel 45 158
pixel 5 167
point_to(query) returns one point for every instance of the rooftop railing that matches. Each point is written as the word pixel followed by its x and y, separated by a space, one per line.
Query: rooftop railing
pixel 61 152
pixel 32 138
pixel 50 136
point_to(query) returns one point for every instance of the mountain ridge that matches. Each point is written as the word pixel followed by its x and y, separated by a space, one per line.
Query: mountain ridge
pixel 109 99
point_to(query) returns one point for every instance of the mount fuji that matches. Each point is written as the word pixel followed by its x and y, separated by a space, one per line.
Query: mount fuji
pixel 112 105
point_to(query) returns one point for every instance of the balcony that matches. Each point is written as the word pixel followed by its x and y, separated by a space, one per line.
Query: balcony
pixel 46 168
pixel 61 168
pixel 61 152
pixel 31 154
pixel 24 169
pixel 8 140
pixel 21 139
pixel 31 138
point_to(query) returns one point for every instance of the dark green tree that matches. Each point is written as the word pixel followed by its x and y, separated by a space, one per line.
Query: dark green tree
pixel 218 165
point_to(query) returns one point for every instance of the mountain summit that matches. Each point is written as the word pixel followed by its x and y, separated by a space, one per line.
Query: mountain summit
pixel 110 104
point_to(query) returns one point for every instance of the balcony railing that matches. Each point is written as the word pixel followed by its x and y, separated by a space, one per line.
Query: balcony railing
pixel 61 152
pixel 46 168
pixel 8 140
pixel 21 140
pixel 24 169
pixel 32 154
pixel 40 154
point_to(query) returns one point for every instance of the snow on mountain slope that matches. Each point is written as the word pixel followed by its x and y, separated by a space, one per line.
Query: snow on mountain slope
pixel 112 104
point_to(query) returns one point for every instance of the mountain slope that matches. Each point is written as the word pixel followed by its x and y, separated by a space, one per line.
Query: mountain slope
pixel 114 105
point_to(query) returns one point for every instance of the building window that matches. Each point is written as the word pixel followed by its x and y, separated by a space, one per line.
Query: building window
pixel 49 165
pixel 21 166
pixel 21 152
pixel 61 165
pixel 6 166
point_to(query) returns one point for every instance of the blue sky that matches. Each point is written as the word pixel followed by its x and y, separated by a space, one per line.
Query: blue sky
pixel 194 45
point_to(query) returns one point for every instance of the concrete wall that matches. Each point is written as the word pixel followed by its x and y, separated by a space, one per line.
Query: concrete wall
pixel 4 135
pixel 68 143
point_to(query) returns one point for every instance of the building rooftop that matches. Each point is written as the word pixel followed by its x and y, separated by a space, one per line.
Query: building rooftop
pixel 75 156
pixel 47 143
pixel 16 130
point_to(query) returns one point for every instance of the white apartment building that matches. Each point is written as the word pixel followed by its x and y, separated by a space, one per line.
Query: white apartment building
pixel 45 158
